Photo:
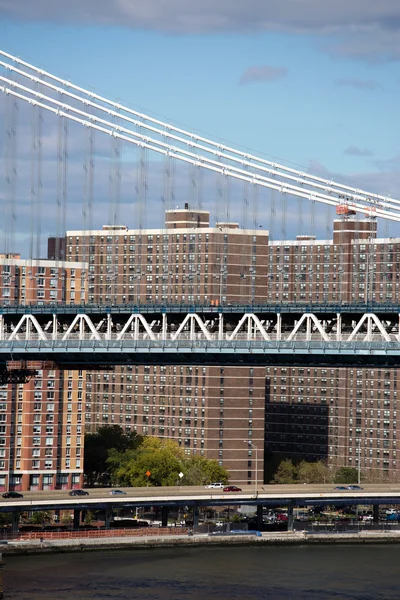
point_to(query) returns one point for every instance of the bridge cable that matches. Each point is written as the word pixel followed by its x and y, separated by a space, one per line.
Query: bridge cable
pixel 239 173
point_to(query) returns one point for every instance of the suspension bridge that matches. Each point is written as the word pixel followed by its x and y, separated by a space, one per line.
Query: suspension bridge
pixel 74 160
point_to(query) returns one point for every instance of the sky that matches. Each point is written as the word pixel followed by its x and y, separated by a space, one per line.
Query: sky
pixel 311 84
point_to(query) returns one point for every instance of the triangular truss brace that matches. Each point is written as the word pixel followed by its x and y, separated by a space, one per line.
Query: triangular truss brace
pixel 373 323
pixel 310 320
pixel 254 325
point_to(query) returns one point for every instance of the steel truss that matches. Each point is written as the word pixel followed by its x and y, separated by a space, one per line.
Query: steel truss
pixel 179 327
pixel 118 121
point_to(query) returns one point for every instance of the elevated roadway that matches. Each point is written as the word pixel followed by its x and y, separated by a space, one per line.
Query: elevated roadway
pixel 260 334
pixel 267 495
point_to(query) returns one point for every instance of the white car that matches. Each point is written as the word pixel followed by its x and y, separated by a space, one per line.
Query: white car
pixel 213 486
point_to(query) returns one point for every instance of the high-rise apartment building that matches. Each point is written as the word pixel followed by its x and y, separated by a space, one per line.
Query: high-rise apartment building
pixel 41 422
pixel 341 415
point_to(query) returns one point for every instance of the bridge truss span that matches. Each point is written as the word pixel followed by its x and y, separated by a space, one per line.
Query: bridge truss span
pixel 205 328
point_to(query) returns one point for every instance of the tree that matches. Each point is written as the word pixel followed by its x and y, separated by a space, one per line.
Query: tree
pixel 162 459
pixel 40 517
pixel 199 470
pixel 97 448
pixel 346 475
pixel 158 462
pixel 285 473
pixel 312 472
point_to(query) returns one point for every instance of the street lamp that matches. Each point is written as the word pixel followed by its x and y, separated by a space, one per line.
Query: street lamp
pixel 254 447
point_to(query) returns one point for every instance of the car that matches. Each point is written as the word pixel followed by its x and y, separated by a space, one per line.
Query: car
pixel 117 493
pixel 354 487
pixel 341 488
pixel 232 488
pixel 281 517
pixel 12 495
pixel 78 493
pixel 213 486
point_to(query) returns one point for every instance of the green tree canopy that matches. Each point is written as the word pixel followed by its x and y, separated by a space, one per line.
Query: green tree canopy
pixel 313 472
pixel 346 475
pixel 199 470
pixel 164 459
pixel 304 472
pixel 97 448
pixel 285 473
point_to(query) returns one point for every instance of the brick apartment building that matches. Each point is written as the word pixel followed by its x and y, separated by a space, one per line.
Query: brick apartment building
pixel 334 414
pixel 41 422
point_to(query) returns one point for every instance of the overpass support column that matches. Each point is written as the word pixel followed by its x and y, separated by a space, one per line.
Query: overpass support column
pixel 375 513
pixel 1 577
pixel 108 517
pixel 77 518
pixel 164 516
pixel 290 515
pixel 259 517
pixel 15 522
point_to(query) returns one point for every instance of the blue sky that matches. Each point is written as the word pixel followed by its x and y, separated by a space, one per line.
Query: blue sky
pixel 308 83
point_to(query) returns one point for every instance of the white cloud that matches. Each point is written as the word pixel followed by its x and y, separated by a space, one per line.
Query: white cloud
pixel 361 29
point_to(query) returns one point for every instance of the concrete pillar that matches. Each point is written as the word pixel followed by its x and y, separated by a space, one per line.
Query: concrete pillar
pixel 375 514
pixel 108 517
pixel 259 517
pixel 290 516
pixel 77 518
pixel 195 516
pixel 15 522
pixel 164 516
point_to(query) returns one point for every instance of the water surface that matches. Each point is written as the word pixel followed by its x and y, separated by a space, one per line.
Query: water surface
pixel 337 572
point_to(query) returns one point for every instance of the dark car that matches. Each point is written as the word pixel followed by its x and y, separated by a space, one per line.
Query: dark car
pixel 232 488
pixel 341 488
pixel 12 495
pixel 78 493
pixel 354 487
pixel 117 493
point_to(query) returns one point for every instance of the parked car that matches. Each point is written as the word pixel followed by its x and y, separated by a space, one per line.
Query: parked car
pixel 78 493
pixel 393 517
pixel 354 487
pixel 232 488
pixel 281 517
pixel 12 495
pixel 217 485
pixel 117 493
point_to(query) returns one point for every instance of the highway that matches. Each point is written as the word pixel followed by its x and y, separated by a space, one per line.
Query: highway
pixel 168 496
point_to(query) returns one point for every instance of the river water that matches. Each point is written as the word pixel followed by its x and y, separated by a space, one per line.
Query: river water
pixel 328 572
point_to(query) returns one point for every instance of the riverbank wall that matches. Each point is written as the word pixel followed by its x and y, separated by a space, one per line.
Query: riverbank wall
pixel 46 546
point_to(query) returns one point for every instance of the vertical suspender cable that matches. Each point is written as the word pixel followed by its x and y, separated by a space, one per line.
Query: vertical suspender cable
pixel 14 171
pixel 85 198
pixel 7 173
pixel 117 200
pixel 64 195
pixel 3 157
pixel 253 265
pixel 58 231
pixel 244 249
pixel 33 189
pixel 39 186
